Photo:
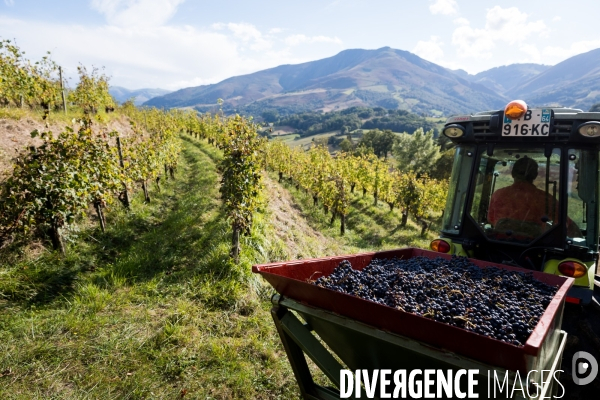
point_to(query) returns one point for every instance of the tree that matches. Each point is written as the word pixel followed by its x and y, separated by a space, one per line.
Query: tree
pixel 270 115
pixel 442 169
pixel 321 141
pixel 417 152
pixel 381 142
pixel 346 145
pixel 595 108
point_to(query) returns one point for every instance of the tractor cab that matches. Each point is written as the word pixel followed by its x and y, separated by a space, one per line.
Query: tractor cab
pixel 524 191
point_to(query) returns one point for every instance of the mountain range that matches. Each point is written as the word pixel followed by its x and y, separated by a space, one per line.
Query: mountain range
pixel 139 96
pixel 396 79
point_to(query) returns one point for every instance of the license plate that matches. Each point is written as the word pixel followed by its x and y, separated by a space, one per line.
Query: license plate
pixel 535 122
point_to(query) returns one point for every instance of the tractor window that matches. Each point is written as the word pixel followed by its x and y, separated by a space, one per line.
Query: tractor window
pixel 582 192
pixel 516 196
pixel 457 192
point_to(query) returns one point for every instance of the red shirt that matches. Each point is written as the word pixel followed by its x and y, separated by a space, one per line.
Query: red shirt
pixel 522 201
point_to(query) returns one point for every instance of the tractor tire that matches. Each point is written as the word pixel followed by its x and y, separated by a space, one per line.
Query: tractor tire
pixel 582 325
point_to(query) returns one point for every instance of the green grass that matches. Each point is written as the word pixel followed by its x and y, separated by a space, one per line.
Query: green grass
pixel 369 227
pixel 294 140
pixel 149 309
pixel 154 308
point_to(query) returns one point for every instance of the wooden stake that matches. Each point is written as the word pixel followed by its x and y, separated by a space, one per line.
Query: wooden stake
pixel 62 90
pixel 125 199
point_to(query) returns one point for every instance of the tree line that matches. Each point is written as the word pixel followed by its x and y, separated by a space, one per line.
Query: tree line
pixel 350 119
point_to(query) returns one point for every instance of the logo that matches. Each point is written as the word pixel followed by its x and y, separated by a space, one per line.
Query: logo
pixel 584 368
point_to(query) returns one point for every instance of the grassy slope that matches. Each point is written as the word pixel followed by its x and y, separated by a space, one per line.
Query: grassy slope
pixel 369 227
pixel 153 307
pixel 149 309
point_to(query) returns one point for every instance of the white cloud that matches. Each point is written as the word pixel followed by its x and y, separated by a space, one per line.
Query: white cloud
pixel 134 58
pixel 167 56
pixel 248 34
pixel 530 53
pixel 445 7
pixel 294 40
pixel 9 2
pixel 557 18
pixel 430 50
pixel 504 25
pixel 461 21
pixel 143 13
pixel 560 54
pixel 511 25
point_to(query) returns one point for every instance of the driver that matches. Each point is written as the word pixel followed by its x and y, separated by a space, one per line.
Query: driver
pixel 524 202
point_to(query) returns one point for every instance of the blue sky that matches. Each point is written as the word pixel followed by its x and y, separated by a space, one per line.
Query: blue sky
pixel 172 44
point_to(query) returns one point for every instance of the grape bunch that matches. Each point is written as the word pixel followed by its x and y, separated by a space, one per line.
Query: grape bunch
pixel 501 304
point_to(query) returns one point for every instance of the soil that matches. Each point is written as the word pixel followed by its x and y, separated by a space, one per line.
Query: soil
pixel 15 136
pixel 292 228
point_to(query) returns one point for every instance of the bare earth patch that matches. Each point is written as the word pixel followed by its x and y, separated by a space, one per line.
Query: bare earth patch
pixel 299 238
pixel 15 135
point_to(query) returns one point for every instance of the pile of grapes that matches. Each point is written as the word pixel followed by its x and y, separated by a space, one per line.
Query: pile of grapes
pixel 505 305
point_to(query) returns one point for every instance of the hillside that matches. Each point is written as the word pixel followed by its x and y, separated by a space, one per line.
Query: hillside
pixel 16 127
pixel 395 79
pixel 153 308
pixel 384 77
pixel 350 119
pixel 508 77
pixel 140 96
pixel 574 82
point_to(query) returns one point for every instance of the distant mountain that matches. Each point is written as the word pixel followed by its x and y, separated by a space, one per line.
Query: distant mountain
pixel 574 82
pixel 395 79
pixel 141 95
pixel 385 77
pixel 504 79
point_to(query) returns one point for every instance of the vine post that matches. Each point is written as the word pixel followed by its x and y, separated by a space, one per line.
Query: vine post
pixel 62 90
pixel 125 194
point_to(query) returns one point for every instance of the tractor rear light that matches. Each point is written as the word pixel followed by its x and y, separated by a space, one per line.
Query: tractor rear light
pixel 454 131
pixel 572 300
pixel 589 129
pixel 440 245
pixel 515 109
pixel 573 269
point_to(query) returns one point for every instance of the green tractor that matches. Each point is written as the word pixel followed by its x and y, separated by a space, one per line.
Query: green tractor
pixel 524 191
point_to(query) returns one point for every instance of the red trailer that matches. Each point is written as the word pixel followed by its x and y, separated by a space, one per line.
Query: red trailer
pixel 366 335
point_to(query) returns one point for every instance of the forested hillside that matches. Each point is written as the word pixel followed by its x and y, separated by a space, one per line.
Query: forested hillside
pixel 385 77
pixel 350 119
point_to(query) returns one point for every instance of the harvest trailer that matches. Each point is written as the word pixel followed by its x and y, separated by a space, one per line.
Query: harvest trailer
pixel 340 331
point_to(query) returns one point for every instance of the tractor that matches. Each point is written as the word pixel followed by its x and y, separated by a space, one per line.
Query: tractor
pixel 549 223
pixel 523 194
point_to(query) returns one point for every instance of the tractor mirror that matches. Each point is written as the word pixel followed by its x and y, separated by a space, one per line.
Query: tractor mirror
pixel 586 184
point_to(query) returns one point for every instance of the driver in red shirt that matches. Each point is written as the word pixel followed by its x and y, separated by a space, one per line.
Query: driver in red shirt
pixel 523 202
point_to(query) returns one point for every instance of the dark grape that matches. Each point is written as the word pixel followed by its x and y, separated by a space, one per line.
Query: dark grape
pixel 502 304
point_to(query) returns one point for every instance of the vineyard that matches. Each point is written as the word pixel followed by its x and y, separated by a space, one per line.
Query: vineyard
pixel 126 252
pixel 333 180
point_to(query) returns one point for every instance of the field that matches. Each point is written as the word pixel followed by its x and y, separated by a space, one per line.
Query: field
pixel 153 307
